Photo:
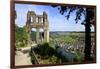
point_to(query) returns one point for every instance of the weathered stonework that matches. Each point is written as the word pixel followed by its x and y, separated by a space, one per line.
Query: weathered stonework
pixel 38 22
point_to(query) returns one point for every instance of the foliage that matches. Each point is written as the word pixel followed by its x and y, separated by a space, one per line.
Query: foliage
pixel 44 50
pixel 80 11
pixel 48 55
pixel 89 19
pixel 32 58
pixel 78 57
pixel 20 36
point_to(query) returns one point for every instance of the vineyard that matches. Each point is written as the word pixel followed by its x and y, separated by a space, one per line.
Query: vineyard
pixel 63 48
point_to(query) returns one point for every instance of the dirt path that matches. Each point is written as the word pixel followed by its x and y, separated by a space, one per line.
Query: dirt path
pixel 22 58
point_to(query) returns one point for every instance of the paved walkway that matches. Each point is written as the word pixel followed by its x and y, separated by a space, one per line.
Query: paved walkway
pixel 22 57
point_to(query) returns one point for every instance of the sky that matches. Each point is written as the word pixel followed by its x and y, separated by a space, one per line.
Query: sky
pixel 57 22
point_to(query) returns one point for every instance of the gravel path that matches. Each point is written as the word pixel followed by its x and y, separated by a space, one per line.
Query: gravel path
pixel 22 58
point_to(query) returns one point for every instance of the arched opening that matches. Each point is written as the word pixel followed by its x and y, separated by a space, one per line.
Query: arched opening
pixel 37 35
pixel 41 34
pixel 33 35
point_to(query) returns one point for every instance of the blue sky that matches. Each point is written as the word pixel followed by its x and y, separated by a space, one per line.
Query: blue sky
pixel 57 22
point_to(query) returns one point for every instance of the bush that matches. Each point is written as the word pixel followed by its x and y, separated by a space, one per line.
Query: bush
pixel 78 57
pixel 48 55
pixel 44 50
pixel 21 36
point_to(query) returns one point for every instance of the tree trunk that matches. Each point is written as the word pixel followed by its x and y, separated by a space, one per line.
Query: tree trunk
pixel 87 50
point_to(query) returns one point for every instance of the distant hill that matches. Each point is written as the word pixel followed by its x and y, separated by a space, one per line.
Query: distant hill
pixel 68 32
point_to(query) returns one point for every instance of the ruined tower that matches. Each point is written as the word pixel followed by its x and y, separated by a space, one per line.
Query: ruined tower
pixel 38 22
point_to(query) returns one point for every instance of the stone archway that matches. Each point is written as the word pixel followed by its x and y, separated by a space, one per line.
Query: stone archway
pixel 38 22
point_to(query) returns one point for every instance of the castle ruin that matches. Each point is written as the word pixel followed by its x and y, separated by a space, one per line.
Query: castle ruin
pixel 38 22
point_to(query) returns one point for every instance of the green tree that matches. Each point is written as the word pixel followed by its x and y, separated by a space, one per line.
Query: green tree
pixel 21 37
pixel 88 13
